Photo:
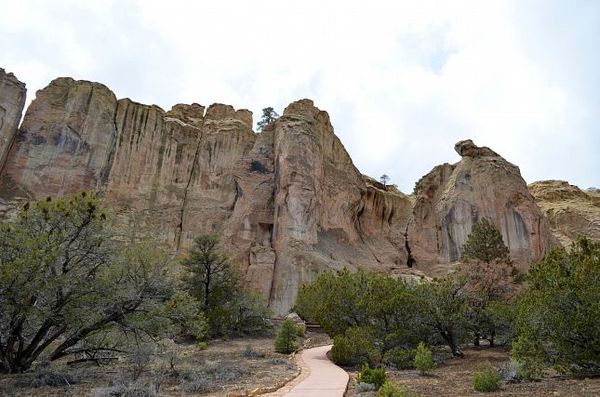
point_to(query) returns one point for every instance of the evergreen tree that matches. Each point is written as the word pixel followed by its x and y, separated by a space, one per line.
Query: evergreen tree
pixel 268 116
pixel 285 341
pixel 485 244
pixel 558 316
pixel 67 287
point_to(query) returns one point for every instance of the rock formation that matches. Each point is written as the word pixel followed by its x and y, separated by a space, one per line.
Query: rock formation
pixel 451 198
pixel 12 100
pixel 570 211
pixel 288 202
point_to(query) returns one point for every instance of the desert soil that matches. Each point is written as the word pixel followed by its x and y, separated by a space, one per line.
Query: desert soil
pixel 454 377
pixel 228 363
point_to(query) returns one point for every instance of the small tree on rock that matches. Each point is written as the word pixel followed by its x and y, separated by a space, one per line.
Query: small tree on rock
pixel 384 179
pixel 268 116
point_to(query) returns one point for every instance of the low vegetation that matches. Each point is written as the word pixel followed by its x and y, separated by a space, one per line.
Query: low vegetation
pixel 486 379
pixel 550 321
pixel 285 341
pixel 423 361
pixel 372 376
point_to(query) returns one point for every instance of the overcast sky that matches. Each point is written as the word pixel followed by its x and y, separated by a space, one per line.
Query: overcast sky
pixel 402 80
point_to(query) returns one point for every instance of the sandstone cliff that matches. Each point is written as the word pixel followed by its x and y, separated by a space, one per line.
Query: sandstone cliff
pixel 451 198
pixel 288 202
pixel 12 100
pixel 570 211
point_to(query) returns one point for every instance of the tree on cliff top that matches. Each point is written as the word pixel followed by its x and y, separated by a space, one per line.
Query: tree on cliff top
pixel 384 179
pixel 485 244
pixel 268 116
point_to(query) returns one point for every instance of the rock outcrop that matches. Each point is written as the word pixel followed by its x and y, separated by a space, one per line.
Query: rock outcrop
pixel 570 211
pixel 451 198
pixel 288 202
pixel 12 101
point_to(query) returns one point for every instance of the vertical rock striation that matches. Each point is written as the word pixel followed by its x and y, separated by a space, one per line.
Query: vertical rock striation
pixel 288 202
pixel 451 198
pixel 12 101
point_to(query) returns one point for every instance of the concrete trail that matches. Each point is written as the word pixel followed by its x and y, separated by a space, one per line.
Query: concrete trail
pixel 319 378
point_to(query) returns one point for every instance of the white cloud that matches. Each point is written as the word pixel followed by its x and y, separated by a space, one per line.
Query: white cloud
pixel 402 81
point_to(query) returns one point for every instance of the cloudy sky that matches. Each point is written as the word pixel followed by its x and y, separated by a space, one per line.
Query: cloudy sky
pixel 401 80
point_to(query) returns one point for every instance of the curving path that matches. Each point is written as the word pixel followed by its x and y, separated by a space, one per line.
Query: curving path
pixel 319 378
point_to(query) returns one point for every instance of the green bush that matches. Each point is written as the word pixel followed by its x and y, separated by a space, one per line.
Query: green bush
pixel 400 358
pixel 486 379
pixel 424 359
pixel 365 388
pixel 285 341
pixel 390 390
pixel 202 345
pixel 558 316
pixel 355 347
pixel 374 376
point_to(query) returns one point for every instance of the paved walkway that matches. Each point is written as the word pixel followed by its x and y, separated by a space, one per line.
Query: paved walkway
pixel 319 378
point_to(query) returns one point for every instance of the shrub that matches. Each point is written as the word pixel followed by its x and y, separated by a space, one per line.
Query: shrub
pixel 362 387
pixel 69 286
pixel 249 352
pixel 424 359
pixel 195 382
pixel 355 347
pixel 127 390
pixel 202 345
pixel 486 379
pixel 400 358
pixel 285 341
pixel 46 376
pixel 511 372
pixel 374 376
pixel 390 390
pixel 558 316
pixel 225 370
pixel 279 361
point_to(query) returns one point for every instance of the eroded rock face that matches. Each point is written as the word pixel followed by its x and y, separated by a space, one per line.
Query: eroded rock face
pixel 12 101
pixel 451 198
pixel 65 142
pixel 570 211
pixel 288 203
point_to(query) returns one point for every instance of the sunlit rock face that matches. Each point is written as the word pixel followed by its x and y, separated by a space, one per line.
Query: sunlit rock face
pixel 570 211
pixel 451 198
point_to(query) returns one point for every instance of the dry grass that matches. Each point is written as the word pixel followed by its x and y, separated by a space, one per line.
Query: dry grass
pixel 222 367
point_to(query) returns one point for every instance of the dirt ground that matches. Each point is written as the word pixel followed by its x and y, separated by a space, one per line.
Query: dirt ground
pixel 237 364
pixel 454 378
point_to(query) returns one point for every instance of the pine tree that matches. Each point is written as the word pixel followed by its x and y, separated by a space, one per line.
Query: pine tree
pixel 485 244
pixel 268 116
pixel 285 341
